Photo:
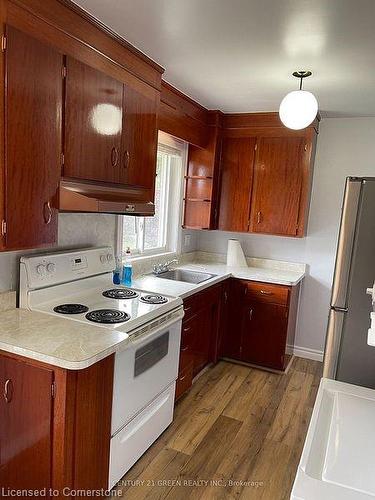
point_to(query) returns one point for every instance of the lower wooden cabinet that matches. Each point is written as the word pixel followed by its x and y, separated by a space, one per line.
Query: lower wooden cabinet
pixel 55 425
pixel 26 425
pixel 261 323
pixel 199 335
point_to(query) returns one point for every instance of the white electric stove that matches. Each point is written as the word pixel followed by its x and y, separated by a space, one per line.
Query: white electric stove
pixel 77 285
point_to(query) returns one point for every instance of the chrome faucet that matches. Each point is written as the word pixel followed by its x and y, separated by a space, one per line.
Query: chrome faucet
pixel 163 267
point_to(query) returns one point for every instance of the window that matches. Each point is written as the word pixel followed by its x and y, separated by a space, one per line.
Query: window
pixel 159 234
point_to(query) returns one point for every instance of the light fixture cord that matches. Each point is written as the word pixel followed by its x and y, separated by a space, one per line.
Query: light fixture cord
pixel 300 83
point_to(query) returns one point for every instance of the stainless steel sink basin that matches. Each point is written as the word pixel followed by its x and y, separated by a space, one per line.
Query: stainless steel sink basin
pixel 186 276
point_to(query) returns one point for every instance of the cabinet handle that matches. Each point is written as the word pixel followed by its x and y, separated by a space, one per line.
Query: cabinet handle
pixel 183 349
pixel 259 217
pixel 182 378
pixel 8 390
pixel 250 314
pixel 114 156
pixel 126 159
pixel 47 216
pixel 264 292
pixel 225 297
pixel 187 329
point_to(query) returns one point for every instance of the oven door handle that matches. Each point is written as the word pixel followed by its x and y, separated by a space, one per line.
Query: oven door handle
pixel 141 339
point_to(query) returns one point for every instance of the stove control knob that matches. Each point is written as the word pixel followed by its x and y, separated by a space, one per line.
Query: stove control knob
pixel 109 257
pixel 41 269
pixel 51 267
pixel 102 259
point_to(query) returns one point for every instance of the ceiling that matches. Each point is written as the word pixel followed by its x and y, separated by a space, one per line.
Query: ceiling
pixel 238 55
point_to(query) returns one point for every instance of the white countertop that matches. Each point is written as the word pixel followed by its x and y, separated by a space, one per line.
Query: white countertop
pixel 57 341
pixel 73 345
pixel 183 290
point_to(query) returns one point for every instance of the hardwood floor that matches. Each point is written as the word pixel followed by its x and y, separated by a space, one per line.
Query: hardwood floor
pixel 238 433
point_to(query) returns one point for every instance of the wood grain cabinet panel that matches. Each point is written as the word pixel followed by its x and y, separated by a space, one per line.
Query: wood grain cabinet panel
pixel 93 123
pixel 237 162
pixel 33 140
pixel 26 425
pixel 139 140
pixel 264 331
pixel 261 326
pixel 277 188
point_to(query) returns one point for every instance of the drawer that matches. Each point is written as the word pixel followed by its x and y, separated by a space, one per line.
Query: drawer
pixel 190 307
pixel 186 357
pixel 266 292
pixel 187 332
pixel 129 444
pixel 184 381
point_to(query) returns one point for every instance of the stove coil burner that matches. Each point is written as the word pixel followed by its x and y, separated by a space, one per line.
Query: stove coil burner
pixel 107 316
pixel 154 299
pixel 71 309
pixel 120 293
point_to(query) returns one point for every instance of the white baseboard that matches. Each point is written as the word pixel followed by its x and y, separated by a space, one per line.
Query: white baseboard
pixel 305 352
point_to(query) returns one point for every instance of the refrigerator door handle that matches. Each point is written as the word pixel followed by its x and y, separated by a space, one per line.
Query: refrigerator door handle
pixel 333 340
pixel 346 242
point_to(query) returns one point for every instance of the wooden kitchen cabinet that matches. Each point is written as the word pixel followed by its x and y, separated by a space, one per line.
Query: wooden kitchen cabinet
pixel 266 175
pixel 263 320
pixel 93 124
pixel 26 425
pixel 237 163
pixel 55 425
pixel 33 140
pixel 199 335
pixel 278 179
pixel 139 140
pixel 110 130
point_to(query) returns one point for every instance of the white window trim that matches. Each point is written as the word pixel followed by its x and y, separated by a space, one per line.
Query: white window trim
pixel 173 236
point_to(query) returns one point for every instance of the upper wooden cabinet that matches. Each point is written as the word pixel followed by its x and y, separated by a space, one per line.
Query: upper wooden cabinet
pixel 33 140
pixel 277 187
pixel 237 160
pixel 110 129
pixel 93 124
pixel 139 139
pixel 266 174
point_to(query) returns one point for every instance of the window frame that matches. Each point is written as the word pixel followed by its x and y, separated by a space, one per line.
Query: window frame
pixel 171 227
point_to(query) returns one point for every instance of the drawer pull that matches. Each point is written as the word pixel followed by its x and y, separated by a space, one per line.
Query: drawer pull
pixel 250 314
pixel 186 309
pixel 187 329
pixel 265 292
pixel 183 349
pixel 182 378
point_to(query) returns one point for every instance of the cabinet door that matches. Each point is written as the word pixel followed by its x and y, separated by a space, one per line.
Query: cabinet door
pixel 33 140
pixel 237 162
pixel 264 330
pixel 26 425
pixel 277 187
pixel 139 142
pixel 93 123
pixel 232 336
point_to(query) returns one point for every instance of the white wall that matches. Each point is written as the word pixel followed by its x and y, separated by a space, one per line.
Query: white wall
pixel 345 147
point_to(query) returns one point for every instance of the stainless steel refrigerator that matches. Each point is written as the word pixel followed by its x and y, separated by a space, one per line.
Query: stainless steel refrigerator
pixel 348 357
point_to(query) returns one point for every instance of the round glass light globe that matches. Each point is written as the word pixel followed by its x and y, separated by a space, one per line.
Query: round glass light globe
pixel 298 109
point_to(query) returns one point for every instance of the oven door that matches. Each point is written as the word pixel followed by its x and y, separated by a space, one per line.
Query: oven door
pixel 144 369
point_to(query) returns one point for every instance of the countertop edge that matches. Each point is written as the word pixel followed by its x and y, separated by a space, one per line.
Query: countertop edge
pixel 59 362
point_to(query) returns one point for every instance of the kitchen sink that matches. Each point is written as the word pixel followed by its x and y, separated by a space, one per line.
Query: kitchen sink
pixel 186 276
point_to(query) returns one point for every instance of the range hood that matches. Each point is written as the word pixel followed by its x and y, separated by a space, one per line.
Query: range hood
pixel 96 197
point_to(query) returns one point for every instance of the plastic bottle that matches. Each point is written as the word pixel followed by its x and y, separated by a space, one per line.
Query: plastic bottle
pixel 128 269
pixel 117 272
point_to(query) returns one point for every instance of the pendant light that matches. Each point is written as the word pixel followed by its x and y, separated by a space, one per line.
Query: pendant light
pixel 298 108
